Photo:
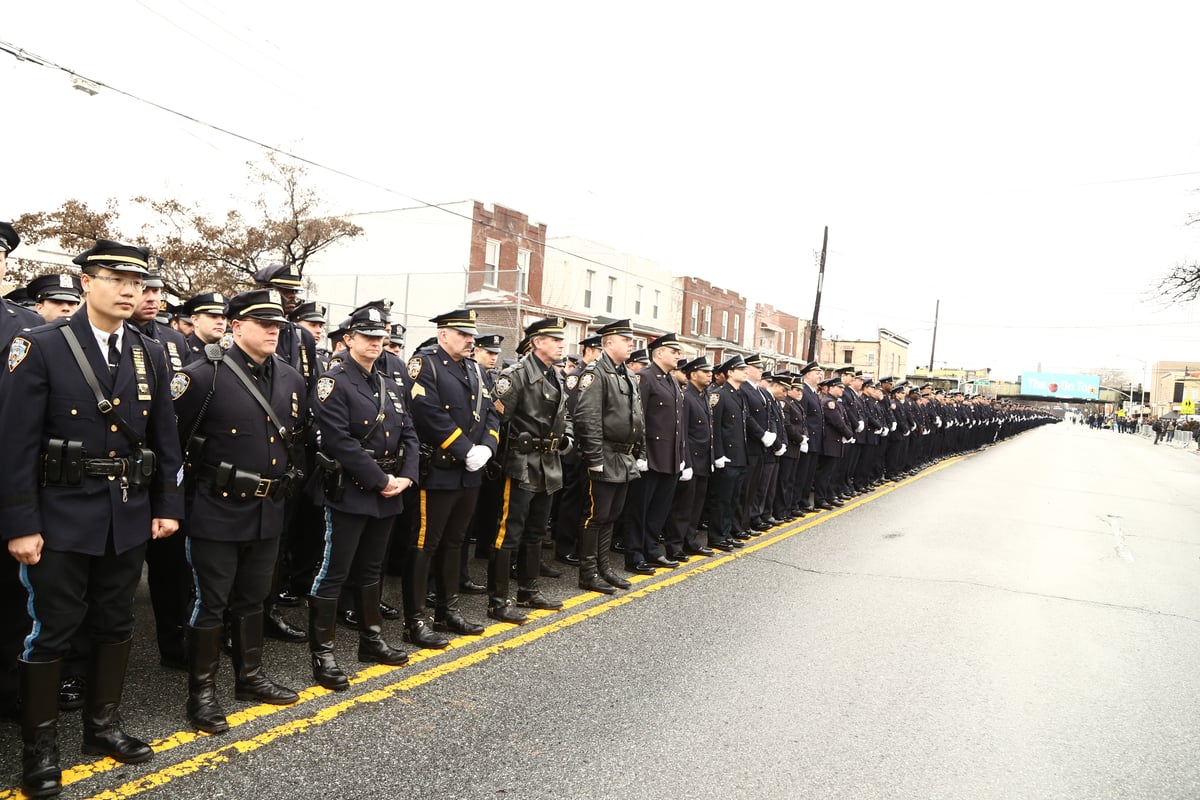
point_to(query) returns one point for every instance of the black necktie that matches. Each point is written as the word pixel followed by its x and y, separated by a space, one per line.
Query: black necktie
pixel 114 355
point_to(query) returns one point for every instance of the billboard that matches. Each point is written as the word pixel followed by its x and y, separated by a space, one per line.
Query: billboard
pixel 1061 385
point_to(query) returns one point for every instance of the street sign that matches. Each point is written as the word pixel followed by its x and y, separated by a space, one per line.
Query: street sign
pixel 1188 406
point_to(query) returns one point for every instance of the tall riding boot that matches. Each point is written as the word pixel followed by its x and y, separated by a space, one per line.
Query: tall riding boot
pixel 500 605
pixel 371 646
pixel 604 539
pixel 321 614
pixel 204 659
pixel 251 682
pixel 40 774
pixel 528 570
pixel 447 616
pixel 415 584
pixel 102 734
pixel 586 550
pixel 275 624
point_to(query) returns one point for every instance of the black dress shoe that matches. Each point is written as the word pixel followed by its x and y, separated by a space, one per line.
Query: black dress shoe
pixel 760 527
pixel 549 571
pixel 284 597
pixel 725 546
pixel 454 622
pixel 824 506
pixel 569 559
pixel 388 612
pixel 663 561
pixel 348 618
pixel 642 568
pixel 275 626
pixel 681 557
pixel 505 611
pixel 617 546
pixel 741 536
pixel 700 551
pixel 596 584
pixel 70 692
pixel 737 544
pixel 837 502
pixel 614 580
pixel 471 587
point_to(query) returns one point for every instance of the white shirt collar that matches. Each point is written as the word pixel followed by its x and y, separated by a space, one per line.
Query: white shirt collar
pixel 102 338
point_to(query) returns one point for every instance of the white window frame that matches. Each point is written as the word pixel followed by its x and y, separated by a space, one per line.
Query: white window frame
pixel 523 258
pixel 491 263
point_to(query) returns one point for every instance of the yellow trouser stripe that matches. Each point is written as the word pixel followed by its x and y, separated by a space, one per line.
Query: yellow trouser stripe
pixel 591 503
pixel 421 530
pixel 508 482
pixel 450 439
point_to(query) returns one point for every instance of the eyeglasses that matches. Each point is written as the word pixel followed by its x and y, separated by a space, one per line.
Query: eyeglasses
pixel 137 284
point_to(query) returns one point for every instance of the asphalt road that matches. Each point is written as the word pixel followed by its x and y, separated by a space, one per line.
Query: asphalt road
pixel 1019 623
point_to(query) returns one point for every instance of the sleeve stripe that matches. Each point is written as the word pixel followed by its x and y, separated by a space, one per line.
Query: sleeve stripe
pixel 450 439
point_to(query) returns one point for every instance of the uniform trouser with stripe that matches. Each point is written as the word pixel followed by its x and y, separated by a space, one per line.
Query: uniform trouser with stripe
pixel 523 516
pixel 355 546
pixel 233 576
pixel 441 529
pixel 70 590
pixel 602 506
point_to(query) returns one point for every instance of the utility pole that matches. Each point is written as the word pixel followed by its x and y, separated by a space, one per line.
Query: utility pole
pixel 812 333
pixel 933 347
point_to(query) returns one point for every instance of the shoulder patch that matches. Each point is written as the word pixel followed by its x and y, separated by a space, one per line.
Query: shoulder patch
pixel 572 382
pixel 713 399
pixel 414 367
pixel 503 385
pixel 227 340
pixel 586 380
pixel 324 388
pixel 831 404
pixel 17 352
pixel 179 384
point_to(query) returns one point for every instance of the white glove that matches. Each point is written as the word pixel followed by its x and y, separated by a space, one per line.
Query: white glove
pixel 721 462
pixel 596 469
pixel 477 456
pixel 804 445
pixel 686 475
pixel 782 449
pixel 885 430
pixel 682 466
pixel 846 440
pixel 642 465
pixel 768 438
pixel 893 426
pixel 938 420
pixel 861 425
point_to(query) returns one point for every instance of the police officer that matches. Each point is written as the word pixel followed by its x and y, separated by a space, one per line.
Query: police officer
pixel 811 376
pixel 730 459
pixel 486 524
pixel 209 323
pixel 297 346
pixel 689 495
pixel 761 437
pixel 238 413
pixel 312 317
pixel 363 475
pixel 89 433
pixel 568 503
pixel 837 434
pixel 458 426
pixel 55 296
pixel 537 430
pixel 611 433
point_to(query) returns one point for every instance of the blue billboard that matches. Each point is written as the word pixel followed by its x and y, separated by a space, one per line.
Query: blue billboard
pixel 1056 384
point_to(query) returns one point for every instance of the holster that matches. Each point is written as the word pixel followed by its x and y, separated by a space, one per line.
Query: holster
pixel 332 476
pixel 142 464
pixel 62 463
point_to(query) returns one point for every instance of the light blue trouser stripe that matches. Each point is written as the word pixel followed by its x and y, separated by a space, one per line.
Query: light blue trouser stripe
pixel 324 570
pixel 37 624
pixel 187 548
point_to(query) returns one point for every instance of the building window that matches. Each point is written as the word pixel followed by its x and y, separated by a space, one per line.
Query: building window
pixel 523 271
pixel 708 320
pixel 695 316
pixel 870 359
pixel 657 294
pixel 789 350
pixel 491 264
pixel 737 324
pixel 847 356
pixel 612 290
pixel 724 324
pixel 637 301
pixel 587 288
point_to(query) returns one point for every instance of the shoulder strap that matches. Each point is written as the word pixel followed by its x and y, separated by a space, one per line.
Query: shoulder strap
pixel 379 417
pixel 254 392
pixel 104 405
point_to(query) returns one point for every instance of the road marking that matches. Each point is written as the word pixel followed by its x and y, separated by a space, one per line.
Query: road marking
pixel 213 759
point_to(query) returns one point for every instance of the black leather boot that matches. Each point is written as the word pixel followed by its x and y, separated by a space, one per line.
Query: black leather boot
pixel 252 682
pixel 447 616
pixel 371 646
pixel 588 579
pixel 326 672
pixel 102 734
pixel 417 629
pixel 502 609
pixel 40 773
pixel 528 570
pixel 204 658
pixel 603 565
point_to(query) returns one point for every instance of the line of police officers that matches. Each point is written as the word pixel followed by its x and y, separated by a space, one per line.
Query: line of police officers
pixel 130 429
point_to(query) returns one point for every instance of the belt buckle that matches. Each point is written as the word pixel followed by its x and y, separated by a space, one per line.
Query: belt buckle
pixel 264 486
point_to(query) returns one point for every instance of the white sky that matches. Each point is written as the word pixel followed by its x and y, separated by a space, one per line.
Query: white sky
pixel 1006 161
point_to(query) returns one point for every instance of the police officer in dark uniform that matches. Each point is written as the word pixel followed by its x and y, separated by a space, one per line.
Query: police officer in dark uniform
pixel 837 434
pixel 568 503
pixel 363 475
pixel 14 622
pixel 55 296
pixel 610 430
pixel 459 429
pixel 761 437
pixel 240 472
pixel 209 323
pixel 730 459
pixel 168 575
pixel 312 317
pixel 537 430
pixel 689 495
pixel 486 524
pixel 90 433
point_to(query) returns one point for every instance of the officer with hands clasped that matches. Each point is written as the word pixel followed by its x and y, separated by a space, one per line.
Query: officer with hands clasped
pixel 239 411
pixel 369 456
pixel 91 463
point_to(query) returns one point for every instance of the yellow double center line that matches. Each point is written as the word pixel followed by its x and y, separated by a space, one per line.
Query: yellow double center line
pixel 213 759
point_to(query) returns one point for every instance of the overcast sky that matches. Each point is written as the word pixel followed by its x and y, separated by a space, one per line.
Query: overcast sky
pixel 1031 166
